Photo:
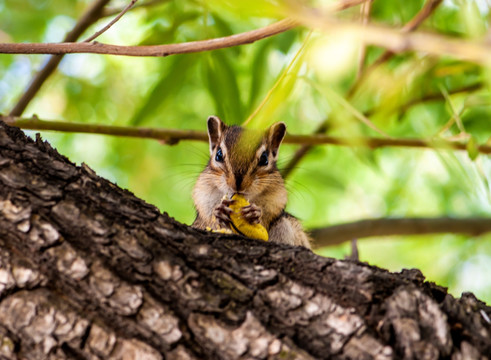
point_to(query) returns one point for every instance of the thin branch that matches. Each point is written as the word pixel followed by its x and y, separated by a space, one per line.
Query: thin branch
pixel 173 136
pixel 167 136
pixel 365 17
pixel 88 18
pixel 395 41
pixel 111 23
pixel 151 50
pixel 412 25
pixel 421 16
pixel 115 11
pixel 338 234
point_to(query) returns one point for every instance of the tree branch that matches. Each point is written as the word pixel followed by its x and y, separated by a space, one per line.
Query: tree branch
pixel 338 234
pixel 395 41
pixel 112 22
pixel 89 271
pixel 151 50
pixel 96 12
pixel 173 136
pixel 365 10
pixel 88 18
pixel 167 136
pixel 116 11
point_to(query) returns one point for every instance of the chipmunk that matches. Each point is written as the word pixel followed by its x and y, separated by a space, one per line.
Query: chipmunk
pixel 244 162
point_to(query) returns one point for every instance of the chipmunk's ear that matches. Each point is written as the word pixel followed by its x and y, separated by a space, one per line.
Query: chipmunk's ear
pixel 276 133
pixel 216 127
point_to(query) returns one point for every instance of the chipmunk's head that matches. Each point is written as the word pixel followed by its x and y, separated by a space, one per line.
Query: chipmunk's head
pixel 244 161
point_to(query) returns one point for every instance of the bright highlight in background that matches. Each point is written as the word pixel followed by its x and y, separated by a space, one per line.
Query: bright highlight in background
pixel 334 56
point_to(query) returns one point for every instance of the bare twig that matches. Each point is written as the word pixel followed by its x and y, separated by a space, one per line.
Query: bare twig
pixel 421 16
pixel 338 234
pixel 173 136
pixel 111 23
pixel 115 11
pixel 88 18
pixel 365 17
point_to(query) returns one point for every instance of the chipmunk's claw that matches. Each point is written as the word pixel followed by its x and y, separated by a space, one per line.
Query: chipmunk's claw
pixel 252 213
pixel 222 214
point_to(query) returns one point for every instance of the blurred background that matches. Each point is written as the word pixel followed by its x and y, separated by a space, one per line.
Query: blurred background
pixel 312 78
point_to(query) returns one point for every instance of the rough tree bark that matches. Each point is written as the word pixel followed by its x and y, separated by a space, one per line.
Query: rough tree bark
pixel 88 271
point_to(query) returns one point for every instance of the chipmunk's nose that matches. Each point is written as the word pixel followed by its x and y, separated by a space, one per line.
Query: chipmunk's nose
pixel 238 181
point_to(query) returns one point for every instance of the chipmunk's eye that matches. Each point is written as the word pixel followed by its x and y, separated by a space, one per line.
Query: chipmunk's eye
pixel 263 160
pixel 219 155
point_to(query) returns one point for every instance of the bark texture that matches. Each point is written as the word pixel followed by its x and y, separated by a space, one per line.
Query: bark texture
pixel 88 271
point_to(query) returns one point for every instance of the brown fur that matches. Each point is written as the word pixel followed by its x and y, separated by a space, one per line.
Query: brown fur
pixel 240 172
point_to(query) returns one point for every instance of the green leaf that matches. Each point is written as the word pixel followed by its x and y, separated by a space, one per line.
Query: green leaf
pixel 258 72
pixel 165 88
pixel 223 88
pixel 472 148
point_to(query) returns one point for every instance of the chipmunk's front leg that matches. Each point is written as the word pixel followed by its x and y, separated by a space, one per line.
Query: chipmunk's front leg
pixel 252 213
pixel 222 213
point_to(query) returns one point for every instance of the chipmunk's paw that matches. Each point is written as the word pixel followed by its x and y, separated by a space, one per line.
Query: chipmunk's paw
pixel 222 214
pixel 252 213
pixel 245 219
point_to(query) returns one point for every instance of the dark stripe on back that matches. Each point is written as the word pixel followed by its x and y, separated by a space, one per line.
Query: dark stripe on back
pixel 282 214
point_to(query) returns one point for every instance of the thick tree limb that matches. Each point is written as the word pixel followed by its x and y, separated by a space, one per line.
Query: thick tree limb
pixel 88 18
pixel 173 136
pixel 89 271
pixel 338 234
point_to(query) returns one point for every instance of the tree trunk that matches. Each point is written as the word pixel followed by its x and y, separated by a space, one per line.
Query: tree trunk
pixel 88 271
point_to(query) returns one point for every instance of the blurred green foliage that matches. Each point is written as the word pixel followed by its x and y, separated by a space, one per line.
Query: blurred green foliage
pixel 412 95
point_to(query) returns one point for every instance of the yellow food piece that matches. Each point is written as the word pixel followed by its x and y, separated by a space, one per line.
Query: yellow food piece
pixel 240 225
pixel 221 231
